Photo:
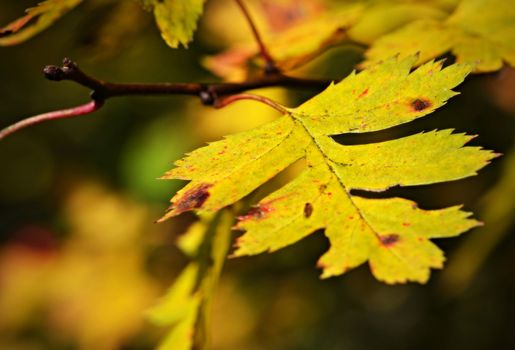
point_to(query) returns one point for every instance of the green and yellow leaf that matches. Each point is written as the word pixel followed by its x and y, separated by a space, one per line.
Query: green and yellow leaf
pixel 36 20
pixel 185 307
pixel 393 234
pixel 479 31
pixel 176 19
pixel 179 310
pixel 380 18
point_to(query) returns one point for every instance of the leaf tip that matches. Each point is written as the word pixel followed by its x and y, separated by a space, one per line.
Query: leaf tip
pixel 193 198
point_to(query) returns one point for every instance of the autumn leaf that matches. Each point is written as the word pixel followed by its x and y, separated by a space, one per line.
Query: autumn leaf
pixel 479 31
pixel 298 44
pixel 392 234
pixel 294 32
pixel 300 41
pixel 176 19
pixel 36 20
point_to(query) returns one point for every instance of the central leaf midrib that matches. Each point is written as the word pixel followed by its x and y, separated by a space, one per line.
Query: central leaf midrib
pixel 300 122
pixel 360 213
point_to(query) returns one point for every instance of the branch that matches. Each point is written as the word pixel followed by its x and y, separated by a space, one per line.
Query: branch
pixel 210 94
pixel 270 66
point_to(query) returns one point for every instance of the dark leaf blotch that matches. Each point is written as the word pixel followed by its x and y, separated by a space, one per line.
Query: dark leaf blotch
pixel 308 210
pixel 420 104
pixel 389 240
pixel 193 199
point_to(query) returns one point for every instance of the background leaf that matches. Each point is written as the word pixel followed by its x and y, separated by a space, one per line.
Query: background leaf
pixel 186 306
pixel 176 19
pixel 479 31
pixel 36 20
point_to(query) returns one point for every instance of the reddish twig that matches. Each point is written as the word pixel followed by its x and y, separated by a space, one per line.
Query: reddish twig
pixel 87 108
pixel 270 66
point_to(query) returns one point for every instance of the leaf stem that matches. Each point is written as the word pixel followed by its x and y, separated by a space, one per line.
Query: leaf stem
pixel 238 97
pixel 212 257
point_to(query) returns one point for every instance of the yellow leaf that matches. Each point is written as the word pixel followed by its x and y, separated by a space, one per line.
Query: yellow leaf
pixel 479 31
pixel 176 19
pixel 392 234
pixel 294 33
pixel 40 17
pixel 225 171
pixel 298 44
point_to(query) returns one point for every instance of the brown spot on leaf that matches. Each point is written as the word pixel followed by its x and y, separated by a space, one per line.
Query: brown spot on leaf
pixel 256 213
pixel 406 224
pixel 420 104
pixel 192 199
pixel 389 240
pixel 308 210
pixel 363 93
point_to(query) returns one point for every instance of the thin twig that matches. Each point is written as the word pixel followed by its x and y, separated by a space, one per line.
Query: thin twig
pixel 238 97
pixel 270 65
pixel 84 109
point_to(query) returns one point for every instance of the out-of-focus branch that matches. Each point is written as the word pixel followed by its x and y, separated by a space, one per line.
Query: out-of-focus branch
pixel 270 65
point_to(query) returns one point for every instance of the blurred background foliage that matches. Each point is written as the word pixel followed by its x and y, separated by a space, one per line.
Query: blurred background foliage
pixel 81 259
